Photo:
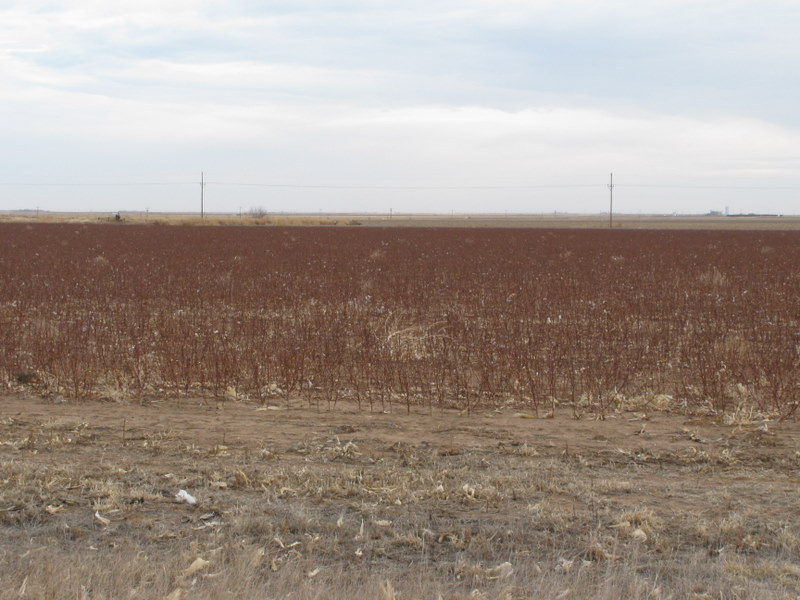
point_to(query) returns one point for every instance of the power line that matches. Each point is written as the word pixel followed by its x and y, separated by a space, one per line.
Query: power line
pixel 95 184
pixel 400 187
pixel 393 187
pixel 299 185
pixel 708 187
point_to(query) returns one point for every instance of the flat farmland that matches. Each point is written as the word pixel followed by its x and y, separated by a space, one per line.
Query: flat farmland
pixel 467 221
pixel 398 412
pixel 415 318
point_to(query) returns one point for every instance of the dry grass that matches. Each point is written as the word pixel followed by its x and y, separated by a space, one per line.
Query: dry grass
pixel 298 504
pixel 599 221
pixel 179 219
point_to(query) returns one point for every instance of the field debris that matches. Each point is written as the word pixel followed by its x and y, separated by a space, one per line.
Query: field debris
pixel 198 564
pixel 639 535
pixel 185 497
pixel 564 565
pixel 501 571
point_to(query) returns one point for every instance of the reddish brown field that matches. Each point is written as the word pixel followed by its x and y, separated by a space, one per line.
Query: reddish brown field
pixel 466 319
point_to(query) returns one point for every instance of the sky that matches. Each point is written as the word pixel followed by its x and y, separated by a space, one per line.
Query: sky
pixel 415 106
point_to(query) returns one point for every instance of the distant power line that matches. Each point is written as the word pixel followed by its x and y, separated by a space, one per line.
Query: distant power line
pixel 400 187
pixel 709 187
pixel 298 185
pixel 410 187
pixel 95 184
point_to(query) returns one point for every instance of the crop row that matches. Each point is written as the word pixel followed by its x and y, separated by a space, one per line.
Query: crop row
pixel 434 317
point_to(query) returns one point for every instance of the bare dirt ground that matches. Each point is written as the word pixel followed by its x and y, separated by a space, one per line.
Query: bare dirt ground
pixel 299 503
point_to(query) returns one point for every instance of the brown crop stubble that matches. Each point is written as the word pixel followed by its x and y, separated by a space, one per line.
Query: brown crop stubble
pixel 389 318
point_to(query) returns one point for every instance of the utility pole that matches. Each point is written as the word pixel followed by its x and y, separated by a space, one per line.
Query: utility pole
pixel 202 189
pixel 611 202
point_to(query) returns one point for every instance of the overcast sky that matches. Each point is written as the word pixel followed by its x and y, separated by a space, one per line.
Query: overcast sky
pixel 514 105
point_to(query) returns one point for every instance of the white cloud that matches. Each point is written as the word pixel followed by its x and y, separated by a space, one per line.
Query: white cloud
pixel 240 75
pixel 443 92
pixel 563 141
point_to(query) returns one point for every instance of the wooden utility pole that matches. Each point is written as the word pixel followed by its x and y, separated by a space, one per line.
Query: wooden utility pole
pixel 202 189
pixel 611 202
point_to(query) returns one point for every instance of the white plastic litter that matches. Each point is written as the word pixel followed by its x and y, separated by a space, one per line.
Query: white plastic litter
pixel 184 496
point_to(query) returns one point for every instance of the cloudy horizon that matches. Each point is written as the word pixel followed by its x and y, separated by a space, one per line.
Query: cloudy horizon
pixel 356 106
